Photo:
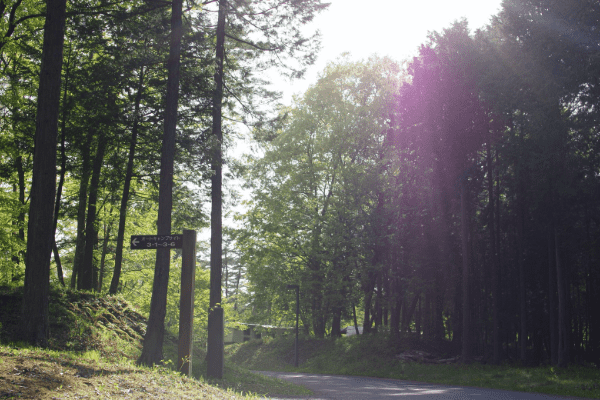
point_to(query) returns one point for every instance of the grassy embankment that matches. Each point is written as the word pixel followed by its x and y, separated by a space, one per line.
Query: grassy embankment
pixel 372 356
pixel 95 342
pixel 93 346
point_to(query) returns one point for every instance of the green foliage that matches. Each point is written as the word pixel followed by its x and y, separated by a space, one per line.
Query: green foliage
pixel 11 245
pixel 314 172
pixel 371 355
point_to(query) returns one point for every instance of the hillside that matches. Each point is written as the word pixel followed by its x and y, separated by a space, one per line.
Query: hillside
pixel 93 342
pixel 80 322
pixel 41 375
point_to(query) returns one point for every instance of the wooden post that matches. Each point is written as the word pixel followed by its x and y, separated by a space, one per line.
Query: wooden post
pixel 186 303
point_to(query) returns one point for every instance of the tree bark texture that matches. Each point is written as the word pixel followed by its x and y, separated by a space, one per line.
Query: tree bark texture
pixel 215 313
pixel 216 225
pixel 153 341
pixel 43 187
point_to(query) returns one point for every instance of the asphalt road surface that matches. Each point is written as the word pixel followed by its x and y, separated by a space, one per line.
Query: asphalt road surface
pixel 360 388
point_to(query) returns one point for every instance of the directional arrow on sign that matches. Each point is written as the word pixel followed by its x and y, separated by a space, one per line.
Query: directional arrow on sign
pixel 153 242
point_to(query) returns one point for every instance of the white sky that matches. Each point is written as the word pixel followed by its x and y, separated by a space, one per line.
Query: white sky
pixel 393 28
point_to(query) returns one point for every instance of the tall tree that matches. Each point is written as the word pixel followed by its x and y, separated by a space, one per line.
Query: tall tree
pixel 214 353
pixel 114 284
pixel 453 124
pixel 40 230
pixel 153 340
pixel 317 170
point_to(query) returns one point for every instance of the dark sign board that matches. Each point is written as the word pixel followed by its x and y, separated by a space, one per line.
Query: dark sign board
pixel 147 242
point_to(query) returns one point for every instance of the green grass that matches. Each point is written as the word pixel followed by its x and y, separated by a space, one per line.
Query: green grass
pixel 93 347
pixel 371 356
pixel 34 373
pixel 242 381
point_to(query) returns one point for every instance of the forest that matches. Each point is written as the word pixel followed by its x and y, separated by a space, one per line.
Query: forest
pixel 454 195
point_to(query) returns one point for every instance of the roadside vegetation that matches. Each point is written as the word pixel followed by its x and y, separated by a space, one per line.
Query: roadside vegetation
pixel 95 341
pixel 92 351
pixel 371 355
pixel 453 194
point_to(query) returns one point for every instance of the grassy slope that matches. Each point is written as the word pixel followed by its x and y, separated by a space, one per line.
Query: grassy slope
pixel 94 342
pixel 44 374
pixel 93 345
pixel 371 356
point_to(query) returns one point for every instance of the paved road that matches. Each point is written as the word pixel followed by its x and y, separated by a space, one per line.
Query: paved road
pixel 359 388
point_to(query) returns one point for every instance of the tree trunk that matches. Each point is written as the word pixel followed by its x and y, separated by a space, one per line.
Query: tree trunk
pixel 318 311
pixel 237 288
pixel 83 192
pixel 367 314
pixel 467 345
pixel 378 302
pixel 499 261
pixel 86 270
pixel 153 340
pixel 521 264
pixel 216 238
pixel 34 313
pixel 114 284
pixel 419 318
pixel 368 291
pixel 395 307
pixel 494 261
pixel 427 316
pixel 409 311
pixel 336 323
pixel 63 171
pixel 552 297
pixel 21 217
pixel 59 269
pixel 107 230
pixel 593 311
pixel 215 336
pixel 563 325
pixel 226 268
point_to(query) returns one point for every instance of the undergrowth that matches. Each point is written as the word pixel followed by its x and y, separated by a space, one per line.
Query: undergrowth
pixel 371 355
pixel 93 345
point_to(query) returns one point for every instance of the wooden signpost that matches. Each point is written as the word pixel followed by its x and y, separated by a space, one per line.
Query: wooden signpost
pixel 187 243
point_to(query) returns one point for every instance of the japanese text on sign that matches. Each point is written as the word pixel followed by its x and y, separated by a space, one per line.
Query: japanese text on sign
pixel 156 242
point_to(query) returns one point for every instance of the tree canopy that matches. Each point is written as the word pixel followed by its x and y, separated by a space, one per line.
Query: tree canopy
pixel 452 196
